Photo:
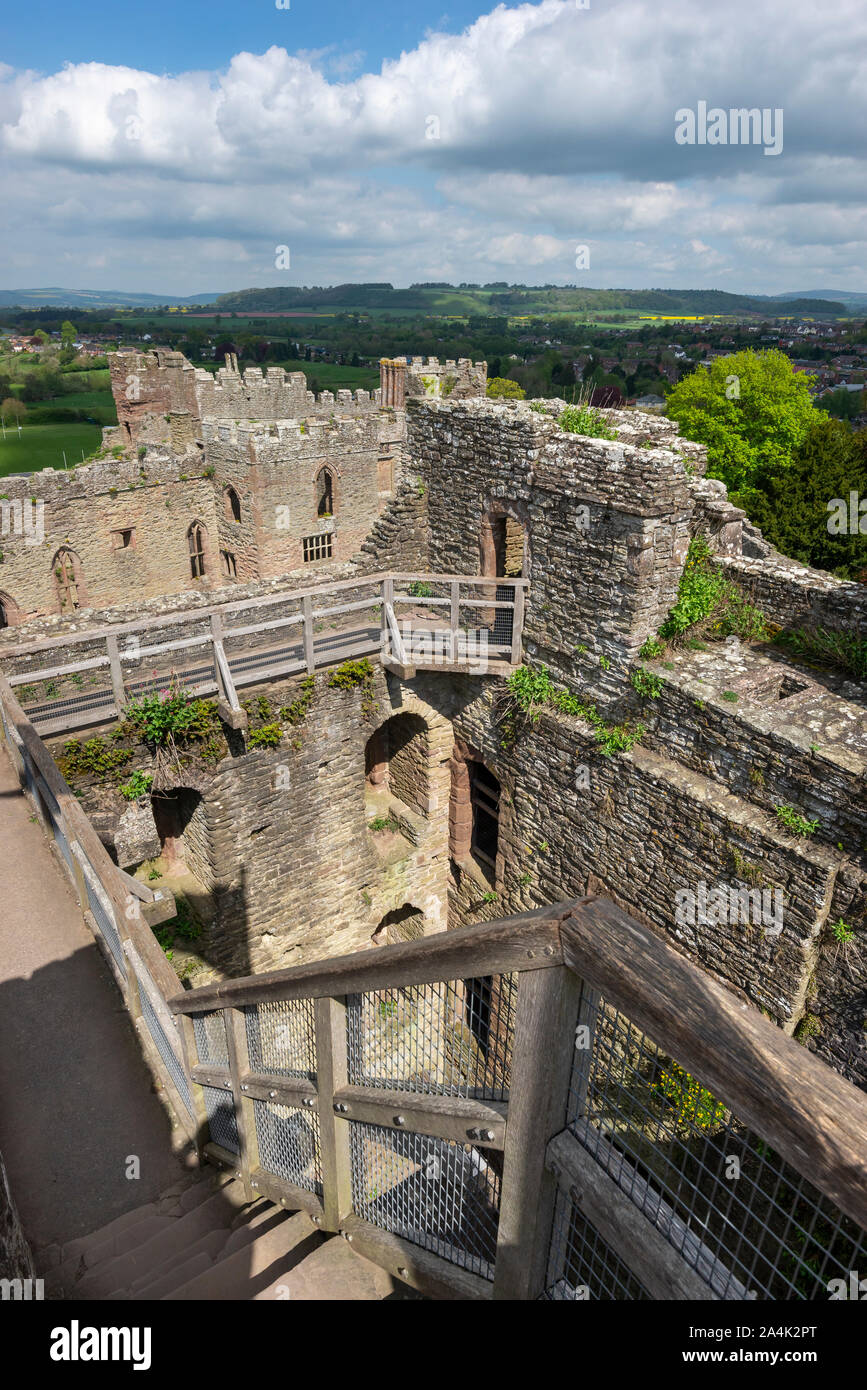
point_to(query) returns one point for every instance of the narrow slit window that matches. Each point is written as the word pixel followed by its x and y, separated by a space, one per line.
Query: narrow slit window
pixel 325 493
pixel 485 802
pixel 196 537
pixel 230 566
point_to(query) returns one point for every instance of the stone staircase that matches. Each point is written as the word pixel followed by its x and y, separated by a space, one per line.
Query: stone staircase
pixel 201 1239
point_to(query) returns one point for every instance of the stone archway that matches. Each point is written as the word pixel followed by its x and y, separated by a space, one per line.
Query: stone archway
pixel 10 614
pixel 179 816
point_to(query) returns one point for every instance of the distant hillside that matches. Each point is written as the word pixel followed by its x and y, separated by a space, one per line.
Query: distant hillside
pixel 853 299
pixel 496 298
pixel 55 297
pixel 517 299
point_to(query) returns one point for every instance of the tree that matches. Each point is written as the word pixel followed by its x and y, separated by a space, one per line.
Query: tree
pixel 503 388
pixel 794 505
pixel 845 405
pixel 68 333
pixel 13 409
pixel 751 409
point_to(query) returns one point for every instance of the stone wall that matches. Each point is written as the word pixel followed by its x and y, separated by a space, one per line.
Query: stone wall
pixel 86 511
pixel 607 523
pixel 296 873
pixel 16 1260
pixel 795 596
pixel 638 827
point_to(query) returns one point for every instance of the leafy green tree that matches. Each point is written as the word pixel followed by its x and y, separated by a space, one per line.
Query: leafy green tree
pixel 68 333
pixel 502 387
pixel 751 409
pixel 843 404
pixel 792 507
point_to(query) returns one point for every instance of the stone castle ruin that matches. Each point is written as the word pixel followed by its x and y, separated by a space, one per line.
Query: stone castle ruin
pixel 237 488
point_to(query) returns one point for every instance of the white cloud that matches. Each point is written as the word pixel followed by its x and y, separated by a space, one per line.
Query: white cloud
pixel 556 127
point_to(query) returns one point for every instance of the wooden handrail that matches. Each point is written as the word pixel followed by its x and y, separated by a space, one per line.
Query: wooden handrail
pixel 238 605
pixel 810 1114
pixel 530 941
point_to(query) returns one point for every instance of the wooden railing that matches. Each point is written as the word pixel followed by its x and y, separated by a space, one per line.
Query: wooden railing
pixel 228 654
pixel 564 958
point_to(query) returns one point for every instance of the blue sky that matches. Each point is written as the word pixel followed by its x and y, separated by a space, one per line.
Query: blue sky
pixel 174 147
pixel 174 35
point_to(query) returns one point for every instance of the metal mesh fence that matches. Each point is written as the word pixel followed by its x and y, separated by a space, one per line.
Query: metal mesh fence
pixel 447 1038
pixel 582 1266
pixel 281 1038
pixel 162 1041
pixel 211 1042
pixel 442 1196
pixel 742 1217
pixel 288 1139
pixel 103 914
pixel 220 1109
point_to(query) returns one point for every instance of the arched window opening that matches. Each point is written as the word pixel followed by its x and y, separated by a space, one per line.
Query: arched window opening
pixel 397 758
pixel 403 924
pixel 196 542
pixel 8 611
pixel 325 493
pixel 474 812
pixel 68 578
pixel 179 816
pixel 232 505
pixel 503 546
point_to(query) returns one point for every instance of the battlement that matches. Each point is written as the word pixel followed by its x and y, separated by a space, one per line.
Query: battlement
pixel 315 435
pixel 150 386
pixel 432 379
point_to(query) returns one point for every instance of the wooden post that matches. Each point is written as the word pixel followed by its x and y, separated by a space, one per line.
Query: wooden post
pixel 188 1048
pixel 245 1115
pixel 454 621
pixel 517 625
pixel 542 1056
pixel 217 636
pixel 116 673
pixel 387 602
pixel 309 656
pixel 331 1076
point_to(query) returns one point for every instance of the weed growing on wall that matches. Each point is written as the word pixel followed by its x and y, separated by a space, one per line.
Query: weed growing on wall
pixel 845 651
pixel 583 419
pixel 530 689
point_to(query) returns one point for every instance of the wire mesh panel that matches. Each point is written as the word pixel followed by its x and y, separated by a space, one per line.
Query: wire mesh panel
pixel 582 1266
pixel 102 913
pixel 281 1038
pixel 161 1039
pixel 437 1194
pixel 742 1217
pixel 446 1038
pixel 220 1109
pixel 211 1043
pixel 288 1138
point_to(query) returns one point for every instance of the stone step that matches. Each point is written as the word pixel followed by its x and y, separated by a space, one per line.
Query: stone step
pixel 69 1275
pixel 188 1267
pixel 211 1243
pixel 332 1273
pixel 256 1266
pixel 181 1233
pixel 73 1248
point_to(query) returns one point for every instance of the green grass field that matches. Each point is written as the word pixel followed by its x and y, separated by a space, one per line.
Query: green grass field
pixel 41 446
pixel 99 404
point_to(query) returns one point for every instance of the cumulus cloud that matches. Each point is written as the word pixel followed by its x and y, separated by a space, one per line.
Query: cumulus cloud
pixel 492 152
